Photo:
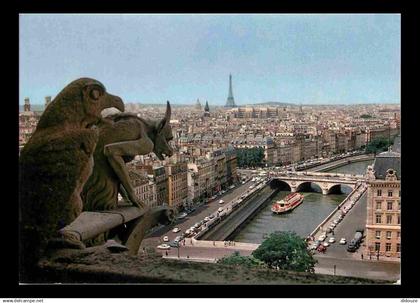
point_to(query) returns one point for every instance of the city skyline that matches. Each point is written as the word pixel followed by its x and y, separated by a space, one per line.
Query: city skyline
pixel 308 59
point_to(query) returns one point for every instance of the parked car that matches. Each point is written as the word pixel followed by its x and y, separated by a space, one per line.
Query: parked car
pixel 182 215
pixel 326 244
pixel 343 241
pixel 220 209
pixel 322 237
pixel 321 248
pixel 331 240
pixel 206 219
pixel 314 245
pixel 221 201
pixel 336 221
pixel 211 216
pixel 165 239
pixel 176 230
pixel 163 246
pixel 173 244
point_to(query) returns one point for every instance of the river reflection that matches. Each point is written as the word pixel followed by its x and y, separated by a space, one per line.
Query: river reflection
pixel 304 218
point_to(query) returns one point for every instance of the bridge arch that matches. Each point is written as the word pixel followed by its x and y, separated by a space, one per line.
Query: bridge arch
pixel 340 188
pixel 307 186
pixel 280 184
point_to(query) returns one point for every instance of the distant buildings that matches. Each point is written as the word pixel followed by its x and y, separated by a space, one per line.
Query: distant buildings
pixel 206 142
pixel 28 121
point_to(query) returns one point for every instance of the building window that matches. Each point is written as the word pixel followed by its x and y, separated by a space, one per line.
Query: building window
pixel 378 205
pixel 399 205
pixel 398 247
pixel 388 219
pixel 388 247
pixel 390 193
pixel 379 192
pixel 399 219
pixel 399 193
pixel 389 205
pixel 398 234
pixel 378 219
pixel 377 246
pixel 378 234
pixel 388 234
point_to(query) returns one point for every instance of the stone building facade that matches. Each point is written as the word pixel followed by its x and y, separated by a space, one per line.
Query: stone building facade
pixel 160 180
pixel 383 225
pixel 144 188
pixel 177 184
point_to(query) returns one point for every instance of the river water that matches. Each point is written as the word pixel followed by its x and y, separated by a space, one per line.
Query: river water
pixel 305 217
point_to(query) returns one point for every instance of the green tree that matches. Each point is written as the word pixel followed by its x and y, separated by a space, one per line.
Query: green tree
pixel 237 259
pixel 286 250
pixel 378 145
pixel 365 116
pixel 250 156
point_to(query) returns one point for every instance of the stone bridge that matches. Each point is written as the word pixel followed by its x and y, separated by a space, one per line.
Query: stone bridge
pixel 328 182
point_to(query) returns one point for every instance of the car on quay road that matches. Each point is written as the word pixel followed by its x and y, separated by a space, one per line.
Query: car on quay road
pixel 173 244
pixel 221 201
pixel 163 246
pixel 182 215
pixel 176 230
pixel 331 240
pixel 326 244
pixel 355 242
pixel 321 248
pixel 165 239
pixel 206 219
pixel 314 245
pixel 322 237
pixel 343 241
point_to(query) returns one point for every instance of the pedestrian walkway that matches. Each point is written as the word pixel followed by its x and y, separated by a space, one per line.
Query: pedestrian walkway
pixel 225 244
pixel 192 259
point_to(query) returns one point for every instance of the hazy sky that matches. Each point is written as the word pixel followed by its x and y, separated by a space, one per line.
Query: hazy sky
pixel 152 58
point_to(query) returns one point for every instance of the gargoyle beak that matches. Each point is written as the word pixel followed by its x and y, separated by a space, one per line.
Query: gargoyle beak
pixel 114 101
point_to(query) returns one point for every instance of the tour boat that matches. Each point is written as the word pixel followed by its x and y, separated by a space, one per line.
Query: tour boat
pixel 287 204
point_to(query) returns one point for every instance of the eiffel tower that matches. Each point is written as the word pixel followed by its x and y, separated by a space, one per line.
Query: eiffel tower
pixel 230 102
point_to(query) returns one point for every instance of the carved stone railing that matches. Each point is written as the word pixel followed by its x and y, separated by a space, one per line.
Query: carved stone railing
pixel 132 222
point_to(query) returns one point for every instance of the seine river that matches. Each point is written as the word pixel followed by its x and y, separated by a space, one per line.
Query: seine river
pixel 305 217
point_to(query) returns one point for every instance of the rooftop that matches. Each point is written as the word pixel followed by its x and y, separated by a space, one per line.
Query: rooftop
pixel 385 161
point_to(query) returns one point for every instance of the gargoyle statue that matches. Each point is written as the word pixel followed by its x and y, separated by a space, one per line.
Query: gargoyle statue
pixel 122 137
pixel 55 164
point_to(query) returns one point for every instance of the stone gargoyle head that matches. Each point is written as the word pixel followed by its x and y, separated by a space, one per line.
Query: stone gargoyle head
pixel 163 136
